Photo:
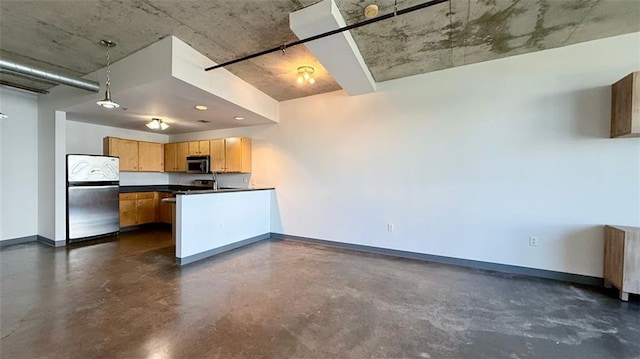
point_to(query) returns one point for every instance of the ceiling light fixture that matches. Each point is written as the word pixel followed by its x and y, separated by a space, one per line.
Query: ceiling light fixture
pixel 239 118
pixel 157 124
pixel 305 74
pixel 107 102
pixel 2 115
pixel 371 11
pixel 289 45
pixel 201 107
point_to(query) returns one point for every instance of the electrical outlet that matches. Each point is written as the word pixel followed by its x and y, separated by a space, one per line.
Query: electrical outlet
pixel 246 180
pixel 389 227
pixel 533 241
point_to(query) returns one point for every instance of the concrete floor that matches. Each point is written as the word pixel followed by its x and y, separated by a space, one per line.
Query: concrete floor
pixel 127 299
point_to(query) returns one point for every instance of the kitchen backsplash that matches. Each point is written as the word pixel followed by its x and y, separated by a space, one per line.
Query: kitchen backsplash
pixel 236 180
pixel 143 178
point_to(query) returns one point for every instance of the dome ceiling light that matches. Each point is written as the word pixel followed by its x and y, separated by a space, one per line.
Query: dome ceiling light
pixel 305 74
pixel 157 124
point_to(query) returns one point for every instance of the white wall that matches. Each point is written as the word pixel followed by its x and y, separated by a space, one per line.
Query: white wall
pixel 466 162
pixel 18 161
pixel 209 221
pixel 85 138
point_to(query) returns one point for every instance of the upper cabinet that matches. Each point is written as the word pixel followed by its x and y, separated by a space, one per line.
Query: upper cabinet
pixel 199 148
pixel 175 156
pixel 238 154
pixel 127 150
pixel 216 149
pixel 135 156
pixel 625 107
pixel 230 154
pixel 150 157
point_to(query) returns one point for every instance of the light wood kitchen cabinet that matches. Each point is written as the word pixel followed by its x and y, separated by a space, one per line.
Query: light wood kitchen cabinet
pixel 147 207
pixel 182 151
pixel 199 148
pixel 127 150
pixel 622 259
pixel 150 157
pixel 135 156
pixel 216 155
pixel 175 156
pixel 237 154
pixel 625 107
pixel 170 159
pixel 138 208
pixel 128 209
pixel 164 209
pixel 231 154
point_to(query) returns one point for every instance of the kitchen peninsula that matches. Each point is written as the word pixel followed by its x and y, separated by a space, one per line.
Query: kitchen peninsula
pixel 210 222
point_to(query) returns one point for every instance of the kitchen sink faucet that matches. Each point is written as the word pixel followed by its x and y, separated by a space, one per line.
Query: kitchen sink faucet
pixel 215 180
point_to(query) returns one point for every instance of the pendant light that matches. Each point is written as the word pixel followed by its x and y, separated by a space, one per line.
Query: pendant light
pixel 107 102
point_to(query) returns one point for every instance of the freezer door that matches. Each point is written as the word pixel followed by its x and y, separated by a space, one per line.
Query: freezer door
pixel 85 168
pixel 93 211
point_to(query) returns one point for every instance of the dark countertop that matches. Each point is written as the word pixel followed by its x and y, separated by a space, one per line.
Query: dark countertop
pixel 183 189
pixel 170 188
pixel 222 190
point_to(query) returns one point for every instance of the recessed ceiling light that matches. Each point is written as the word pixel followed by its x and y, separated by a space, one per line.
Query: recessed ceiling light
pixel 201 107
pixel 239 118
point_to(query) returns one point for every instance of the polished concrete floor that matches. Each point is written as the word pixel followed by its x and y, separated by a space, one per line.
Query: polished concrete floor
pixel 127 299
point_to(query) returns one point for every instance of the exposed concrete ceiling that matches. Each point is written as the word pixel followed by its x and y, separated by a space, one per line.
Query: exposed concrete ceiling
pixel 63 36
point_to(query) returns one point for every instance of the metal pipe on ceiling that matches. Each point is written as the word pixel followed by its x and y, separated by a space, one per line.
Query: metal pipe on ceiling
pixel 332 32
pixel 22 87
pixel 48 76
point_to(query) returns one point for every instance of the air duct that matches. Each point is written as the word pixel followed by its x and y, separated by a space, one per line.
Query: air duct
pixel 36 73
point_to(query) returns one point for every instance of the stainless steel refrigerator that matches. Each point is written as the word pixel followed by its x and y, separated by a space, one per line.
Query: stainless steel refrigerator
pixel 92 197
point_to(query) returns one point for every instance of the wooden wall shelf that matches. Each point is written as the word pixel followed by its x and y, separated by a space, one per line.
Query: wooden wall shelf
pixel 625 107
pixel 622 259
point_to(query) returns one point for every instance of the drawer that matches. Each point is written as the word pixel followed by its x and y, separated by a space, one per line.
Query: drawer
pixel 146 195
pixel 127 196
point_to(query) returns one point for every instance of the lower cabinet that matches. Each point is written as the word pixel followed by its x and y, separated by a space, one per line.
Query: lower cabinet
pixel 165 214
pixel 622 259
pixel 143 208
pixel 128 210
pixel 147 207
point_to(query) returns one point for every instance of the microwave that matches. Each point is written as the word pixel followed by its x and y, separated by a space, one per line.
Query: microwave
pixel 198 164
